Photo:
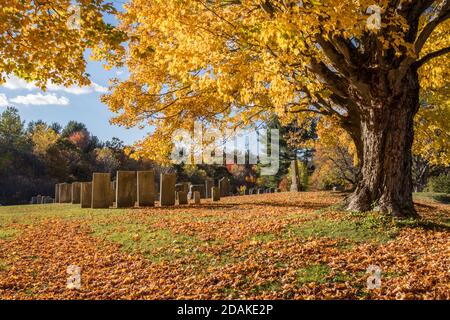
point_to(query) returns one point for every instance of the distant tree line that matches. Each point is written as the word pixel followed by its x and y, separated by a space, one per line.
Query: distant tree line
pixel 35 156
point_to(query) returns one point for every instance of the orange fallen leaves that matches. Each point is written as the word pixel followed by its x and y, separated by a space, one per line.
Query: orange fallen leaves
pixel 241 250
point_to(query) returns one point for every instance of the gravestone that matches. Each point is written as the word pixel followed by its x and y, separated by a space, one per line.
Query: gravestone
pixel 182 197
pixel 65 193
pixel 101 190
pixel 33 200
pixel 215 194
pixel 86 194
pixel 47 200
pixel 197 187
pixel 260 191
pixel 167 189
pixel 197 197
pixel 224 187
pixel 294 173
pixel 251 191
pixel 183 186
pixel 76 192
pixel 57 193
pixel 145 188
pixel 112 194
pixel 209 183
pixel 125 187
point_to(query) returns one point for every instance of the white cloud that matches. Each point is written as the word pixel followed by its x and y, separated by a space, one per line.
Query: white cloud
pixel 14 83
pixel 41 99
pixel 3 100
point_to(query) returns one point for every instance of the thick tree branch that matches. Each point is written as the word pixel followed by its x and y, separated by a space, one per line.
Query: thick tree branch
pixel 432 55
pixel 333 81
pixel 431 26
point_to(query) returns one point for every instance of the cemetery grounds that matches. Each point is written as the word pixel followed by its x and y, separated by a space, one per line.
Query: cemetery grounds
pixel 268 246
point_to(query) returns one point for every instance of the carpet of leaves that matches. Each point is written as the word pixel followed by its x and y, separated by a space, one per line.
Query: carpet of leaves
pixel 247 247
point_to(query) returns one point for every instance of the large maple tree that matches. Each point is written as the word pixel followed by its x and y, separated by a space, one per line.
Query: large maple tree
pixel 362 62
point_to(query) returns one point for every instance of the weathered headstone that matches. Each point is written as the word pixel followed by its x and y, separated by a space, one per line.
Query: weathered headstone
pixel 224 187
pixel 197 197
pixel 246 191
pixel 260 191
pixel 33 200
pixel 197 187
pixel 251 191
pixel 209 183
pixel 167 189
pixel 183 186
pixel 86 194
pixel 145 188
pixel 101 190
pixel 215 194
pixel 112 194
pixel 182 197
pixel 57 192
pixel 294 173
pixel 65 193
pixel 76 189
pixel 125 187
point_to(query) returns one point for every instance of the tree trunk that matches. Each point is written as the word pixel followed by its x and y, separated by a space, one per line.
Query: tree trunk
pixel 387 134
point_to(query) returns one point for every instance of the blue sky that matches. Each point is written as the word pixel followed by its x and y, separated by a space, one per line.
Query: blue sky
pixel 64 104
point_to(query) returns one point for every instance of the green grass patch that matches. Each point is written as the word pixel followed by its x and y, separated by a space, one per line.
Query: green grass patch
pixel 155 244
pixel 29 214
pixel 268 286
pixel 316 273
pixel 264 237
pixel 7 234
pixel 433 197
pixel 3 266
pixel 354 227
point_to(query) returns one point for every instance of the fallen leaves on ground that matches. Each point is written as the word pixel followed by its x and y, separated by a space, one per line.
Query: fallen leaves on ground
pixel 249 247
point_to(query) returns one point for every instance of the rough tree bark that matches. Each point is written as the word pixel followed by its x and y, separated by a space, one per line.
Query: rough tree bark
pixel 387 134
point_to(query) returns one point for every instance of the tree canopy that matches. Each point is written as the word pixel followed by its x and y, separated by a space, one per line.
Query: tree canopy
pixel 202 59
pixel 235 61
pixel 46 41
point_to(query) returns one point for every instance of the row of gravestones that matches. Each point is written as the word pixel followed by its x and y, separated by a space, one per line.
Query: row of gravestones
pixel 133 188
pixel 138 188
pixel 40 199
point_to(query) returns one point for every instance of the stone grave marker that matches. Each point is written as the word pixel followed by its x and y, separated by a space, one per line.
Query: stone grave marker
pixel 182 197
pixel 209 183
pixel 76 189
pixel 215 194
pixel 57 193
pixel 86 194
pixel 65 193
pixel 125 187
pixel 167 189
pixel 101 190
pixel 197 197
pixel 197 187
pixel 224 187
pixel 145 188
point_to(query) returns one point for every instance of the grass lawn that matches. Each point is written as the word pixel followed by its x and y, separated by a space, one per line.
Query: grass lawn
pixel 271 246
